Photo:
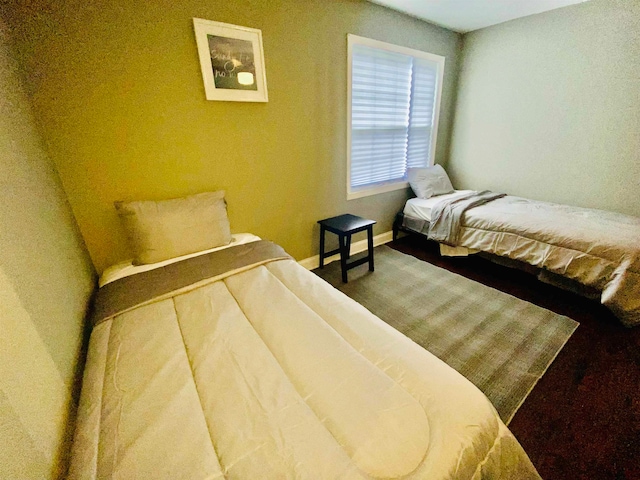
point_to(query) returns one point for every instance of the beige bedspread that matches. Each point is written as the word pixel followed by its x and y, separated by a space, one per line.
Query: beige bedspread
pixel 269 372
pixel 596 248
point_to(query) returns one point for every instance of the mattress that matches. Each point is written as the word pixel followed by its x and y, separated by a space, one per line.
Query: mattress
pixel 266 371
pixel 420 208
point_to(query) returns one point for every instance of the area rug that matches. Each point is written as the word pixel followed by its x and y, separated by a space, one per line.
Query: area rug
pixel 500 343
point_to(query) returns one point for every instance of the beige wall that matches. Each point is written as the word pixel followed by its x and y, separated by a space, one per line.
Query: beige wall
pixel 118 90
pixel 46 280
pixel 549 107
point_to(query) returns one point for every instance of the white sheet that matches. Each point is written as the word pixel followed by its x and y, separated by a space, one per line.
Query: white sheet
pixel 421 208
pixel 124 269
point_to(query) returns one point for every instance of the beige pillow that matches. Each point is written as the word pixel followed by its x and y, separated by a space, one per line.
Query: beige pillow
pixel 157 231
pixel 429 181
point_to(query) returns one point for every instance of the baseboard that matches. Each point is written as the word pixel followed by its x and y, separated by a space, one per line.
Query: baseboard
pixel 357 247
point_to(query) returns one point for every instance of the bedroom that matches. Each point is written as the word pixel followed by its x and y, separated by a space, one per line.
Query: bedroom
pixel 106 103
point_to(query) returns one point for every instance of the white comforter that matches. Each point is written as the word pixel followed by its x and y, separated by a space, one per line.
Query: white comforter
pixel 596 248
pixel 272 373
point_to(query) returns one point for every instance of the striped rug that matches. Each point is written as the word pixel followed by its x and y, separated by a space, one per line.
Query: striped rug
pixel 500 343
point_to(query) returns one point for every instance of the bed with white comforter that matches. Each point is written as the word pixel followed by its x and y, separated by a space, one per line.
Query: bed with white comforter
pixel 262 370
pixel 595 248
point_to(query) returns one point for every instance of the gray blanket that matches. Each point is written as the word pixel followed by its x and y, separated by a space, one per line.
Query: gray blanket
pixel 128 292
pixel 446 216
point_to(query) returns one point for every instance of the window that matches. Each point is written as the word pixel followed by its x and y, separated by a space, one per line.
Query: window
pixel 394 102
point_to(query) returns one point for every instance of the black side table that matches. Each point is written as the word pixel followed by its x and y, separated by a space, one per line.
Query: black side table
pixel 344 226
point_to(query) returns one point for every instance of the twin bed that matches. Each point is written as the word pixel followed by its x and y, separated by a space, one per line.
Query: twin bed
pixel 590 248
pixel 597 249
pixel 236 362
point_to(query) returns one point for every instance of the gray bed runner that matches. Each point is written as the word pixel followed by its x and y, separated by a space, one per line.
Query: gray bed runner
pixel 128 292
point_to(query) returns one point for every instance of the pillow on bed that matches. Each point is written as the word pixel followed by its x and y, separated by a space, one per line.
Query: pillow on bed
pixel 430 181
pixel 161 230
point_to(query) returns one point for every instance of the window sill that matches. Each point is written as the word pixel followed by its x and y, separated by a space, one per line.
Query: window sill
pixel 375 190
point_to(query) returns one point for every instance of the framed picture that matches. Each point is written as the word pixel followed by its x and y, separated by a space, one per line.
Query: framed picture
pixel 232 61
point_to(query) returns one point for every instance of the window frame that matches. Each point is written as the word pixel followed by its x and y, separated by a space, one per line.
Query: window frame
pixel 374 189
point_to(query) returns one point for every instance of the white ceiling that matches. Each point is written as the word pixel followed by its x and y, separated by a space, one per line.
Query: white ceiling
pixel 467 15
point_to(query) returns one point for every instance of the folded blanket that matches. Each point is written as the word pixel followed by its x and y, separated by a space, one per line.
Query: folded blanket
pixel 446 216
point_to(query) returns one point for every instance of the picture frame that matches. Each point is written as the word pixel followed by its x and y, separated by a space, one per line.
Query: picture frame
pixel 232 61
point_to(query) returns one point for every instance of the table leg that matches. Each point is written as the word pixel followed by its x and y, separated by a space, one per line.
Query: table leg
pixel 370 246
pixel 343 257
pixel 321 246
pixel 348 238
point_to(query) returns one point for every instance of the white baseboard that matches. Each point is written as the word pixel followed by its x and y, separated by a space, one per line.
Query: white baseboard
pixel 357 247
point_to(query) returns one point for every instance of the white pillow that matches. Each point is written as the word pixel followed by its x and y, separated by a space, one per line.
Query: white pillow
pixel 430 181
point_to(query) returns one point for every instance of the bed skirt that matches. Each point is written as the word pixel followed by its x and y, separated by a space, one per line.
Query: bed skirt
pixel 415 226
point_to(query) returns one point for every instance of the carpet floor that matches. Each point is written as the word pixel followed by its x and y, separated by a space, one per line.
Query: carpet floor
pixel 582 420
pixel 500 343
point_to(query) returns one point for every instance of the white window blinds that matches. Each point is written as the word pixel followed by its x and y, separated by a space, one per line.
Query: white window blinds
pixel 422 113
pixel 393 107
